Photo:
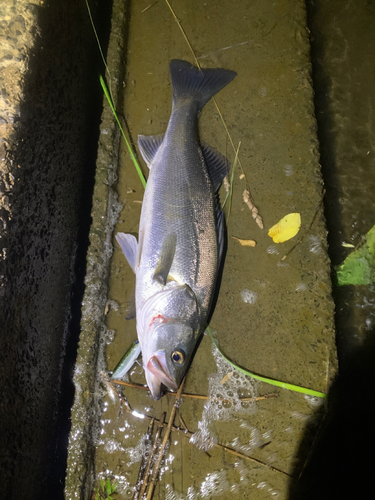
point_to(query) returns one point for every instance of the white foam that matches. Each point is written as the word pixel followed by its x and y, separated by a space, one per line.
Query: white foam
pixel 315 245
pixel 301 287
pixel 254 442
pixel 224 400
pixel 192 494
pixel 288 170
pixel 300 416
pixel 272 250
pixel 136 453
pixel 214 484
pixel 172 495
pixel 112 446
pixel 263 485
pixel 249 296
pixel 313 401
pixel 109 336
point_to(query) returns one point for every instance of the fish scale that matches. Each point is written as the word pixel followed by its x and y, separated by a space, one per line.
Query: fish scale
pixel 175 210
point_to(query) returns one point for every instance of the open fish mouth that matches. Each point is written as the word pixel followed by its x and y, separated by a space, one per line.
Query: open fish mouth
pixel 158 367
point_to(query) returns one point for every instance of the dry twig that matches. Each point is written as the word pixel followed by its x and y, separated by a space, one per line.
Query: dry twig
pixel 152 454
pixel 155 472
pixel 143 466
pixel 148 7
pixel 193 396
pixel 189 434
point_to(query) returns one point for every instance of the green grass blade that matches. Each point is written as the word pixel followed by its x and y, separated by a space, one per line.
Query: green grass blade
pixel 138 168
pixel 276 383
pixel 108 95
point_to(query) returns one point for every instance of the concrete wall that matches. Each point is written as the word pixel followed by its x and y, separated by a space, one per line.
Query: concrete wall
pixel 49 129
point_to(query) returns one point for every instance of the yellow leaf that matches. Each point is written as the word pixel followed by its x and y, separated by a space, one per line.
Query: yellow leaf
pixel 286 228
pixel 245 243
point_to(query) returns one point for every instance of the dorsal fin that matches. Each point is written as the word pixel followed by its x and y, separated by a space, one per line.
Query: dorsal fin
pixel 217 164
pixel 148 146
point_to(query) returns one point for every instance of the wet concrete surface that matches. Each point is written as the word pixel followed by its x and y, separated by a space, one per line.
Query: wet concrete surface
pixel 50 157
pixel 286 331
pixel 343 68
pixel 343 62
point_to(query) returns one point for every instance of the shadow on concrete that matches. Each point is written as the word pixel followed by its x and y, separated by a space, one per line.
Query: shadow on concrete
pixel 346 338
pixel 340 463
pixel 53 156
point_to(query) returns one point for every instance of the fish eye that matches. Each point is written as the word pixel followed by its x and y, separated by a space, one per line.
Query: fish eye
pixel 178 357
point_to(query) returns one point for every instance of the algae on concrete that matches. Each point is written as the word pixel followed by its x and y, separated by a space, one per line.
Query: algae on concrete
pixel 86 410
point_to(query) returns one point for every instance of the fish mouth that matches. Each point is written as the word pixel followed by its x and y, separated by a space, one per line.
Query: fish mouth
pixel 154 385
pixel 158 367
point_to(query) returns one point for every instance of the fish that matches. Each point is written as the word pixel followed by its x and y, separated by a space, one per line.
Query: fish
pixel 181 231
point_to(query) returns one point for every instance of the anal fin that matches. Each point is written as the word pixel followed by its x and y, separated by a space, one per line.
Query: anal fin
pixel 149 146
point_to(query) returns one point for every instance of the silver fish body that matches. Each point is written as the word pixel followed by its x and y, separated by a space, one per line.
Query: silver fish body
pixel 177 257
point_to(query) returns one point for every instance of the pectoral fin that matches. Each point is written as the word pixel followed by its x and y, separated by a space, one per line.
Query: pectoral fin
pixel 129 247
pixel 165 260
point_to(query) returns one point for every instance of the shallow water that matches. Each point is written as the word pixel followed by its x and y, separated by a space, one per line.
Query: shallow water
pixel 273 317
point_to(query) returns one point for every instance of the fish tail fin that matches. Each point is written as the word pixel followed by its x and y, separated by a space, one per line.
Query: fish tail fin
pixel 201 84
